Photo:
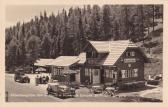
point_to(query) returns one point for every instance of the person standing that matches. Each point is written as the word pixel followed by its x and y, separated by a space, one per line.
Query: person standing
pixel 40 80
pixel 47 79
pixel 37 80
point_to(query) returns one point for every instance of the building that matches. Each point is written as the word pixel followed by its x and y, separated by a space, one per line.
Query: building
pixel 104 62
pixel 113 62
pixel 64 69
pixel 42 64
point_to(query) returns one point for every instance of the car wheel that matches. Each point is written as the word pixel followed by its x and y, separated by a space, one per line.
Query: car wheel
pixel 72 95
pixel 56 94
pixel 26 80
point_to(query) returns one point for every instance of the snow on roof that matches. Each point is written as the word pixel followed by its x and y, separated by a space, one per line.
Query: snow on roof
pixel 114 48
pixel 100 46
pixel 82 58
pixel 42 62
pixel 64 61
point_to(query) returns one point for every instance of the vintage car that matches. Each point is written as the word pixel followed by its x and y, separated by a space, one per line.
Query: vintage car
pixel 74 85
pixel 21 77
pixel 110 91
pixel 97 89
pixel 155 81
pixel 60 90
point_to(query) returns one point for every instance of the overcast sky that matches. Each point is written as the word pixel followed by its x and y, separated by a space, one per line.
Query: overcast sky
pixel 15 13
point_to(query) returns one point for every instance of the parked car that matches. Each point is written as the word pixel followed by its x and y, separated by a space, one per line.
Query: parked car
pixel 111 91
pixel 97 89
pixel 74 85
pixel 21 77
pixel 155 81
pixel 60 90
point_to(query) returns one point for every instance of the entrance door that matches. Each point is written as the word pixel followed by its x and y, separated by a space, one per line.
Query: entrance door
pixel 96 75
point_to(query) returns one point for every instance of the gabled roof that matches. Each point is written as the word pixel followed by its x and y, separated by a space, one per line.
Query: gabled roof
pixel 114 48
pixel 64 61
pixel 108 46
pixel 100 46
pixel 42 62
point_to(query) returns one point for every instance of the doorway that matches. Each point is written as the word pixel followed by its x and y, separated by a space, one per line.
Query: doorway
pixel 96 76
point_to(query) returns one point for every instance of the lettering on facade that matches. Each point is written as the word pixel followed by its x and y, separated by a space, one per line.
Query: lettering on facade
pixel 129 60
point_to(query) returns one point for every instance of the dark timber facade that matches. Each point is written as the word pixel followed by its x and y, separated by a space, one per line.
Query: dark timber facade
pixel 104 62
pixel 113 62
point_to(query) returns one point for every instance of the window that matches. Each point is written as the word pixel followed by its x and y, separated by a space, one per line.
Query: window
pixel 132 53
pixel 58 72
pixel 129 73
pixel 54 71
pixel 107 73
pixel 128 54
pixel 123 73
pixel 115 75
pixel 86 72
pixel 135 72
pixel 111 73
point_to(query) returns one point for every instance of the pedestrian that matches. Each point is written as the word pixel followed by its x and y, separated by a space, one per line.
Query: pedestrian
pixel 43 80
pixel 40 80
pixel 37 80
pixel 47 79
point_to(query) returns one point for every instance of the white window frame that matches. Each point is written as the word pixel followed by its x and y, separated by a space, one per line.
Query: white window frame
pixel 107 73
pixel 111 72
pixel 132 53
pixel 123 73
pixel 135 74
pixel 87 71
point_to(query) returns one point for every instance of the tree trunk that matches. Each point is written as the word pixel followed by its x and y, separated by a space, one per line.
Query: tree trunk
pixel 153 17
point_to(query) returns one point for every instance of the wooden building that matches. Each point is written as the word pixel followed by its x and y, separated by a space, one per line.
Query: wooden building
pixel 42 63
pixel 104 62
pixel 65 69
pixel 113 62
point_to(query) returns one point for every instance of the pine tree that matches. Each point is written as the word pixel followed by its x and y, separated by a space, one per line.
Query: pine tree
pixel 46 46
pixel 33 49
pixel 106 22
pixel 125 24
pixel 95 23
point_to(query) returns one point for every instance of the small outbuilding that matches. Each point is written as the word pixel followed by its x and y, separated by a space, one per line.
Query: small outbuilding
pixel 41 65
pixel 64 69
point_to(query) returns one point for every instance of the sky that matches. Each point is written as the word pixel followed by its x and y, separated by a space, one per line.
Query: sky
pixel 24 13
